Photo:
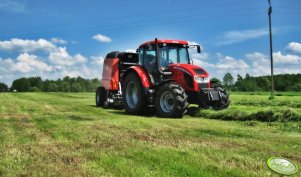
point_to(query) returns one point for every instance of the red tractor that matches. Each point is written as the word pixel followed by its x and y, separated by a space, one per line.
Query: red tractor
pixel 160 75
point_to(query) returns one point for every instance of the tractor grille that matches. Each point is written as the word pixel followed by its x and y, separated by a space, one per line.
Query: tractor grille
pixel 203 85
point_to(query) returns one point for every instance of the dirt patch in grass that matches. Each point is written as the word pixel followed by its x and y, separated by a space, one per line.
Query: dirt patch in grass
pixel 79 118
pixel 141 137
pixel 15 116
pixel 43 157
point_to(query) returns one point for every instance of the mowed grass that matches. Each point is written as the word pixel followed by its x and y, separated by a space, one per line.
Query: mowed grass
pixel 64 134
pixel 256 106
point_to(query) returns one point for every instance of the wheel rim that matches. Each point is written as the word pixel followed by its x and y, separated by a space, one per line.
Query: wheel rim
pixel 166 101
pixel 132 94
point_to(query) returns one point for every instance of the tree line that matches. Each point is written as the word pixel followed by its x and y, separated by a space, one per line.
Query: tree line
pixel 283 82
pixel 37 84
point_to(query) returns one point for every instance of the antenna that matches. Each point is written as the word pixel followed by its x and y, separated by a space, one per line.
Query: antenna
pixel 271 50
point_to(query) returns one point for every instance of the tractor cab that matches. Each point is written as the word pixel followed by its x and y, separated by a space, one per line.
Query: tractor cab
pixel 169 60
pixel 157 56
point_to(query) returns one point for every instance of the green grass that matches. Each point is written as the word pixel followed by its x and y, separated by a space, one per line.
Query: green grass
pixel 249 107
pixel 64 134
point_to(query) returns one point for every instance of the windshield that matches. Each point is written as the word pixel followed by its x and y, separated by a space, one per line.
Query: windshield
pixel 172 54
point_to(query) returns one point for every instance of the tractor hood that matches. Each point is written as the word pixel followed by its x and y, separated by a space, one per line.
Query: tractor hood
pixel 190 69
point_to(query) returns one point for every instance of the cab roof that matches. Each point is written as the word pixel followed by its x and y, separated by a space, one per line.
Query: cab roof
pixel 168 41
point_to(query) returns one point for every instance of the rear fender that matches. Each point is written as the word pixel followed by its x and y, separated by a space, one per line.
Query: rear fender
pixel 142 73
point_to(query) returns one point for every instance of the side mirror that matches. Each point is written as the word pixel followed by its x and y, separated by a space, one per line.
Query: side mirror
pixel 198 48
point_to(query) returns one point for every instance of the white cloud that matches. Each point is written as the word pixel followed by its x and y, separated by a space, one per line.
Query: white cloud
pixel 24 63
pixel 12 6
pixel 31 62
pixel 102 38
pixel 42 58
pixel 231 37
pixel 287 59
pixel 130 50
pixel 198 57
pixel 230 63
pixel 203 64
pixel 282 70
pixel 62 57
pixel 57 55
pixel 256 56
pixel 193 43
pixel 97 60
pixel 6 66
pixel 294 46
pixel 56 40
pixel 260 64
pixel 21 45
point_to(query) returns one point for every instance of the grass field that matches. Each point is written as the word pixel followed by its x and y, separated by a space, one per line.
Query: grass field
pixel 58 134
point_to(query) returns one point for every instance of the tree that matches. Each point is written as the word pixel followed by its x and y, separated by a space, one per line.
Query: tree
pixel 21 85
pixel 36 82
pixel 34 89
pixel 3 87
pixel 66 79
pixel 297 87
pixel 248 85
pixel 215 82
pixel 228 80
pixel 75 87
pixel 263 83
pixel 52 87
pixel 64 87
pixel 239 78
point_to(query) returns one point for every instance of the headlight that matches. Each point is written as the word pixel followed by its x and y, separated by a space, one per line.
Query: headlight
pixel 201 79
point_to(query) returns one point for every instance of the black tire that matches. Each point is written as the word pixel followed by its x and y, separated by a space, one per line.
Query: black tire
pixel 171 100
pixel 133 97
pixel 106 103
pixel 225 100
pixel 100 96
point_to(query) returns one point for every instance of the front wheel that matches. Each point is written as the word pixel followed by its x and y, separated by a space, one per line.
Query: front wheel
pixel 224 99
pixel 171 100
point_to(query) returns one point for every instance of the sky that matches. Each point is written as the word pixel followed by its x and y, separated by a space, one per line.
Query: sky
pixel 53 39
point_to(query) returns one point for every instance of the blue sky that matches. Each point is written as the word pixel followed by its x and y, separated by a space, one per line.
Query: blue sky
pixel 54 39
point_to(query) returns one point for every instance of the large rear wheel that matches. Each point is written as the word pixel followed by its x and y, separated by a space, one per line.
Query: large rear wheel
pixel 133 97
pixel 171 100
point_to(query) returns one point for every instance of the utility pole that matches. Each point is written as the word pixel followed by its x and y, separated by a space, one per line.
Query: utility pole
pixel 271 51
